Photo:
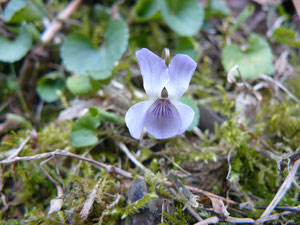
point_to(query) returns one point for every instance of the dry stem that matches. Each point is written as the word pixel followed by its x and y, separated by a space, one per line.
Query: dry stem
pixel 56 24
pixel 282 190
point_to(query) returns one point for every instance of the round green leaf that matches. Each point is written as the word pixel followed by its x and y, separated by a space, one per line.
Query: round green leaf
pixel 145 9
pixel 191 103
pixel 188 46
pixel 48 87
pixel 184 17
pixel 83 138
pixel 86 122
pixel 13 50
pixel 101 75
pixel 12 7
pixel 80 56
pixel 79 85
pixel 216 8
pixel 83 131
pixel 17 11
pixel 254 61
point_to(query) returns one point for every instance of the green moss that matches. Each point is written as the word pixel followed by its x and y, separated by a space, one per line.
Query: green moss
pixel 179 217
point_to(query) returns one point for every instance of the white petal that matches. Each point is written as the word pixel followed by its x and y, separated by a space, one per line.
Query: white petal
pixel 162 120
pixel 186 114
pixel 135 118
pixel 181 70
pixel 154 72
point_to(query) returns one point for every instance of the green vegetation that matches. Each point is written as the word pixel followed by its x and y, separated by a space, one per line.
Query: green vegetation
pixel 69 90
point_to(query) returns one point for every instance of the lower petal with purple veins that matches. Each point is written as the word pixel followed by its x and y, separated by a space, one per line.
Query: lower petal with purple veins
pixel 135 118
pixel 162 119
pixel 186 114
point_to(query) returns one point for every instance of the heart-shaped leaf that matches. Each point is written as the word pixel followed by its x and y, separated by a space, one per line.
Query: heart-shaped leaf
pixel 79 85
pixel 101 75
pixel 216 8
pixel 80 56
pixel 254 61
pixel 145 9
pixel 191 103
pixel 12 7
pixel 48 87
pixel 13 50
pixel 83 131
pixel 184 17
pixel 188 46
pixel 17 11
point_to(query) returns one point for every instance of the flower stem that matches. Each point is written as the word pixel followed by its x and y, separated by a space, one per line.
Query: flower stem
pixel 18 90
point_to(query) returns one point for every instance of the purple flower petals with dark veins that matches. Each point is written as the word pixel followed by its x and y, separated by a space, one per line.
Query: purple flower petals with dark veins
pixel 163 115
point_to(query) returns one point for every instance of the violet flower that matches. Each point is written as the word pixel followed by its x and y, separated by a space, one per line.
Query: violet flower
pixel 163 115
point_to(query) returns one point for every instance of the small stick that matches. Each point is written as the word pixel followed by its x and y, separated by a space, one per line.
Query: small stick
pixel 286 208
pixel 210 220
pixel 187 205
pixel 261 220
pixel 88 204
pixel 297 6
pixel 56 203
pixel 265 144
pixel 59 152
pixel 56 24
pixel 282 190
pixel 132 157
pixel 22 145
pixel 192 199
pixel 266 77
pixel 108 168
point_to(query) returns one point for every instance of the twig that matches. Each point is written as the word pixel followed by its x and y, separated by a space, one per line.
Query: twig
pixel 56 25
pixel 239 220
pixel 22 145
pixel 59 152
pixel 261 220
pixel 291 158
pixel 276 24
pixel 229 165
pixel 192 199
pixel 198 132
pixel 131 157
pixel 282 190
pixel 56 203
pixel 189 208
pixel 286 208
pixel 110 206
pixel 297 6
pixel 265 144
pixel 244 84
pixel 210 220
pixel 177 166
pixel 88 204
pixel 266 77
pixel 108 168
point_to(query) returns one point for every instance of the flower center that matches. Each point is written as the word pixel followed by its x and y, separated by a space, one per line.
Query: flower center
pixel 164 93
pixel 162 107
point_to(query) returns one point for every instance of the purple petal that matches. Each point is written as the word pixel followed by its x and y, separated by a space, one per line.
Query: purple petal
pixel 162 119
pixel 154 72
pixel 181 71
pixel 135 118
pixel 186 114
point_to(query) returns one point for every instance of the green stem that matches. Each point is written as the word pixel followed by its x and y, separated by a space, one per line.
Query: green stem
pixel 19 92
